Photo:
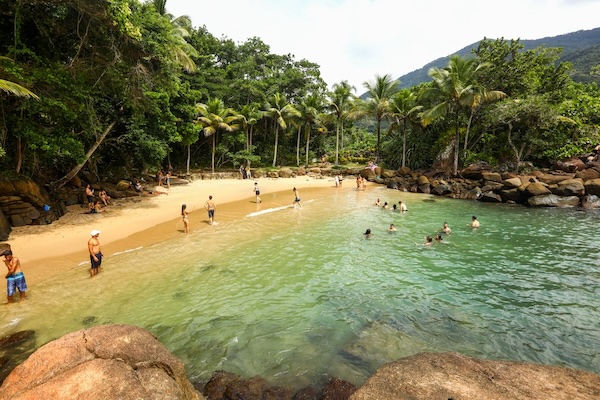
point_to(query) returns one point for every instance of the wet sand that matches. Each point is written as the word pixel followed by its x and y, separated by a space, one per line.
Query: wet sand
pixel 48 250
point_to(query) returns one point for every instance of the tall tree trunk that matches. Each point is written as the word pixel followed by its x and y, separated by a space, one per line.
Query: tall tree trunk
pixel 189 155
pixel 378 140
pixel 337 143
pixel 19 155
pixel 307 143
pixel 342 135
pixel 404 145
pixel 276 143
pixel 465 144
pixel 71 174
pixel 214 146
pixel 298 146
pixel 456 147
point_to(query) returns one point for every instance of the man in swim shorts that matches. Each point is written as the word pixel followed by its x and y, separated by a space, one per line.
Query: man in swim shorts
pixel 257 192
pixel 95 253
pixel 296 199
pixel 210 207
pixel 14 278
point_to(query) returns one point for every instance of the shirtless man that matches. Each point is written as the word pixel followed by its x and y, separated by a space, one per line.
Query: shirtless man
pixel 402 206
pixel 474 222
pixel 257 192
pixel 446 229
pixel 95 253
pixel 210 207
pixel 296 199
pixel 14 278
pixel 89 193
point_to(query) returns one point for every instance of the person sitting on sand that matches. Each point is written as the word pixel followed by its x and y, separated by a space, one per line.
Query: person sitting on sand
pixel 96 208
pixel 104 197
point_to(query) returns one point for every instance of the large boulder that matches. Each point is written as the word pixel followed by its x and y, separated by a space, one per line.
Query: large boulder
pixel 512 183
pixel 552 179
pixel 288 173
pixel 590 201
pixel 5 227
pixel 475 171
pixel 588 174
pixel 570 187
pixel 442 376
pixel 104 362
pixel 536 189
pixel 491 176
pixel 552 200
pixel 592 187
pixel 569 165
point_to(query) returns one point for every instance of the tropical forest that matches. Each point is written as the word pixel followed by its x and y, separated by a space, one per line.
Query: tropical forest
pixel 122 85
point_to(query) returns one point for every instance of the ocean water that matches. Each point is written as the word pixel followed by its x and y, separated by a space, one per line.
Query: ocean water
pixel 299 295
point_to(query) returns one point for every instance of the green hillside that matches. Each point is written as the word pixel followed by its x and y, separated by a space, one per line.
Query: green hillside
pixel 581 48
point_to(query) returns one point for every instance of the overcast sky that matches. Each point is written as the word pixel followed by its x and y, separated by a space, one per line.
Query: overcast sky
pixel 355 40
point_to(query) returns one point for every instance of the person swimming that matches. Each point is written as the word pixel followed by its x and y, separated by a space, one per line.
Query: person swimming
pixel 368 234
pixel 392 228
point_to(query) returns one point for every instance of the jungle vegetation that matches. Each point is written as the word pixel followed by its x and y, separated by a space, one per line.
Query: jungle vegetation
pixel 120 86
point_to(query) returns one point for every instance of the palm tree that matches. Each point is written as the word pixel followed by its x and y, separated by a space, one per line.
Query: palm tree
pixel 309 114
pixel 377 104
pixel 280 111
pixel 456 85
pixel 404 110
pixel 340 101
pixel 215 117
pixel 181 28
pixel 14 88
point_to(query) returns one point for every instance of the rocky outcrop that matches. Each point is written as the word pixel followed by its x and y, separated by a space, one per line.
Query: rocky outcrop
pixel 24 202
pixel 104 362
pixel 552 200
pixel 443 376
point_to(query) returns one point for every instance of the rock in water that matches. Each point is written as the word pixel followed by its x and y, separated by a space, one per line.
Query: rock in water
pixel 103 362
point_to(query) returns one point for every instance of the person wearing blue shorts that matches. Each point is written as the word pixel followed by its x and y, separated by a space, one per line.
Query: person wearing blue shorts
pixel 15 279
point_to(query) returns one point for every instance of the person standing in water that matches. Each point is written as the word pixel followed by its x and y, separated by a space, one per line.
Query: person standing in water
pixel 95 253
pixel 210 207
pixel 257 192
pixel 186 219
pixel 402 206
pixel 474 222
pixel 296 199
pixel 15 279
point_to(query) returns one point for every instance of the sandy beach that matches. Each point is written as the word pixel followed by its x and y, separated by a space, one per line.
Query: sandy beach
pixel 48 250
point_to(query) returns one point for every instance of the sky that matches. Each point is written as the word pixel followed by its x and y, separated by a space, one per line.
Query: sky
pixel 356 40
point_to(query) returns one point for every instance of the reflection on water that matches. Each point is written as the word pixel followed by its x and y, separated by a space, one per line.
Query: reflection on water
pixel 299 295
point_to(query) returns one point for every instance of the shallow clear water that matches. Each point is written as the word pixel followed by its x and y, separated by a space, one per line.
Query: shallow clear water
pixel 299 295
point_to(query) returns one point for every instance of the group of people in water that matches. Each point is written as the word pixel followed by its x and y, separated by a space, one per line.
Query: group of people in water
pixel 429 239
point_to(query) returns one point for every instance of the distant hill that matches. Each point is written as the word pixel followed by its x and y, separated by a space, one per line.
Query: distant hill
pixel 581 48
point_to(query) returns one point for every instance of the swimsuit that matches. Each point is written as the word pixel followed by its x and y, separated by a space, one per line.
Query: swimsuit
pixel 96 264
pixel 16 281
pixel 211 213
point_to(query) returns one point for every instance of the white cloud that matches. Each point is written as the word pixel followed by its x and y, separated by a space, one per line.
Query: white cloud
pixel 356 39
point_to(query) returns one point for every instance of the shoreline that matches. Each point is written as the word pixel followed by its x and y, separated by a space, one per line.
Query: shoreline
pixel 48 250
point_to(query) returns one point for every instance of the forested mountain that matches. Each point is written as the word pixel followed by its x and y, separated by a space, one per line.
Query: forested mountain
pixel 581 48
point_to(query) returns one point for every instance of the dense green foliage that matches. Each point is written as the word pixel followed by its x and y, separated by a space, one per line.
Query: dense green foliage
pixel 103 85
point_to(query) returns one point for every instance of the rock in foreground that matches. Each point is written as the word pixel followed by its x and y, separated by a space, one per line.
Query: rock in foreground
pixel 104 362
pixel 443 376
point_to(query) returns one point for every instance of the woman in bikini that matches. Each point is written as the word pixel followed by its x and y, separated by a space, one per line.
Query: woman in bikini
pixel 186 219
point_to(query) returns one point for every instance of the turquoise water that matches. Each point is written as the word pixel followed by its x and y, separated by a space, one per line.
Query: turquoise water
pixel 297 296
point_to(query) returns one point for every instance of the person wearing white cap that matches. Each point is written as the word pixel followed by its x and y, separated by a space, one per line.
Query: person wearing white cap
pixel 95 253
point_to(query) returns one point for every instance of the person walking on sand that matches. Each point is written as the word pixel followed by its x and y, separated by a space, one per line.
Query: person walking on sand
pixel 257 192
pixel 186 219
pixel 95 253
pixel 15 279
pixel 296 199
pixel 210 207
